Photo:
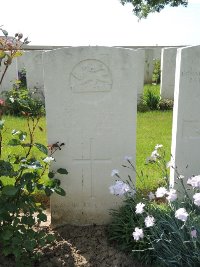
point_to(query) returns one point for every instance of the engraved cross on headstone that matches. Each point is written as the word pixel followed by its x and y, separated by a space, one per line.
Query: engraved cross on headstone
pixel 91 160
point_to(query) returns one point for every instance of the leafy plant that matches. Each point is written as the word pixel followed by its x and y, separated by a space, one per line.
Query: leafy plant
pixel 165 225
pixel 21 172
pixel 19 212
pixel 143 8
pixel 166 104
pixel 152 100
pixel 20 101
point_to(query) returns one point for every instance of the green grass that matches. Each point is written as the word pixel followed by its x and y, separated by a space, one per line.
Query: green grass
pixel 153 88
pixel 152 128
pixel 19 123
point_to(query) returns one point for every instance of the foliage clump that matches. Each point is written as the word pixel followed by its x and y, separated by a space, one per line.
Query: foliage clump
pixel 143 8
pixel 21 171
pixel 160 227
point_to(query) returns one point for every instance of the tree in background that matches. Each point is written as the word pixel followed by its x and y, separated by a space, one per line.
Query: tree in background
pixel 142 8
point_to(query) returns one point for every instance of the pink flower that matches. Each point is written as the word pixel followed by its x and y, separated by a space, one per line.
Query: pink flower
pixel 161 191
pixel 138 234
pixel 2 102
pixel 193 233
pixel 139 208
pixel 197 199
pixel 149 221
pixel 171 195
pixel 119 188
pixel 181 214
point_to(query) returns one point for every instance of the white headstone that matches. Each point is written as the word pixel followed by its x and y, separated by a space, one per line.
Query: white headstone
pixel 91 99
pixel 149 65
pixel 32 63
pixel 186 114
pixel 10 76
pixel 168 67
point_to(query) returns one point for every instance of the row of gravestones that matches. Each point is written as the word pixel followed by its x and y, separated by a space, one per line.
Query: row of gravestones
pixel 31 63
pixel 91 102
pixel 91 105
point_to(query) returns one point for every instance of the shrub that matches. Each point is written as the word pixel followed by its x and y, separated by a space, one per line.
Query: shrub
pixel 152 100
pixel 161 227
pixel 21 172
pixel 20 177
pixel 166 104
pixel 142 105
pixel 20 100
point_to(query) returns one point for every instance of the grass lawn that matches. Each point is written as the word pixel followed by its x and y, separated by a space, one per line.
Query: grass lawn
pixel 154 88
pixel 18 123
pixel 152 128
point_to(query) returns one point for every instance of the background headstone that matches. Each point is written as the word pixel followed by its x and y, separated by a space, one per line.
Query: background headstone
pixel 91 102
pixel 31 62
pixel 10 77
pixel 186 114
pixel 168 67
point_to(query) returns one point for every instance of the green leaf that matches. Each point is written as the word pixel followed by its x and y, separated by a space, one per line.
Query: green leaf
pixel 50 238
pixel 42 217
pixel 4 32
pixel 48 191
pixel 7 234
pixel 30 245
pixel 28 176
pixel 9 190
pixel 17 54
pixel 62 171
pixel 2 54
pixel 60 191
pixel 7 251
pixel 42 148
pixel 51 174
pixel 14 142
pixel 30 186
pixel 6 168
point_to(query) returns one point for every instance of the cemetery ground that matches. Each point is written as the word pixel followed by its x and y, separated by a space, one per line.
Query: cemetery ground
pixel 89 246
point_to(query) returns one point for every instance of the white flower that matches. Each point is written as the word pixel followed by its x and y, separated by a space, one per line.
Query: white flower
pixel 172 196
pixel 48 159
pixel 114 172
pixel 128 158
pixel 169 164
pixel 11 99
pixel 193 233
pixel 23 137
pixel 34 167
pixel 197 199
pixel 14 132
pixel 138 234
pixel 119 188
pixel 194 181
pixel 158 146
pixel 153 157
pixel 139 208
pixel 149 221
pixel 161 191
pixel 181 214
pixel 151 196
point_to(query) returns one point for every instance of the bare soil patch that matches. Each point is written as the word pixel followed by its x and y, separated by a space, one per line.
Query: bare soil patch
pixel 85 246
